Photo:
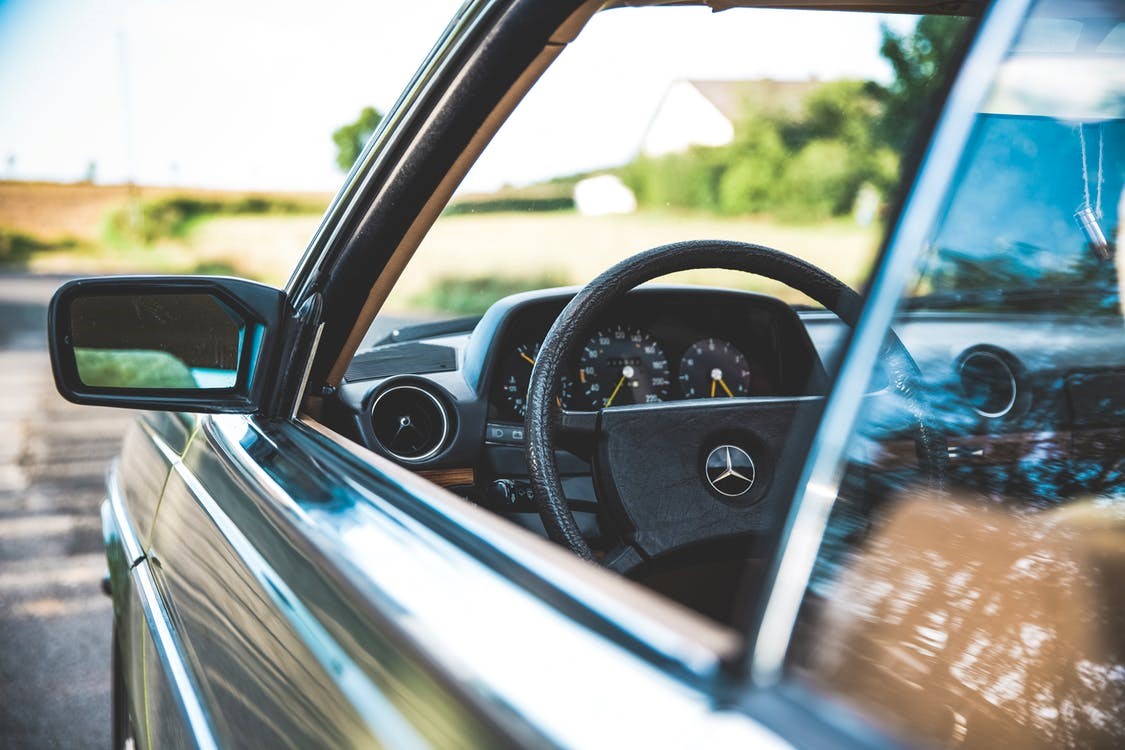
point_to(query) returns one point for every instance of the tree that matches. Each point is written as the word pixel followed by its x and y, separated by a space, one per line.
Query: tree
pixel 920 60
pixel 350 138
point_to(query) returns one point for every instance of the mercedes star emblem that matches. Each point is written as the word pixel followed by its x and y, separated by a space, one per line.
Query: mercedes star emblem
pixel 730 470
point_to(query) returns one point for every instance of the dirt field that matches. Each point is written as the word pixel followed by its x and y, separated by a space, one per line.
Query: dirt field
pixel 265 248
pixel 53 211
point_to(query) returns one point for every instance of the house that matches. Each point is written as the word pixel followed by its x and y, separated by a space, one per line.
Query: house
pixel 603 195
pixel 704 113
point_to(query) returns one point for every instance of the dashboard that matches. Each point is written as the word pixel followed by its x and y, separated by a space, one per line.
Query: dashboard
pixel 448 399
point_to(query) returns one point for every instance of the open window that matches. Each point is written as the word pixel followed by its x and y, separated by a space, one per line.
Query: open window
pixel 653 125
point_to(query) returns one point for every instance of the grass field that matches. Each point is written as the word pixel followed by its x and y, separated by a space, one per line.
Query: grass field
pixel 514 250
pixel 576 248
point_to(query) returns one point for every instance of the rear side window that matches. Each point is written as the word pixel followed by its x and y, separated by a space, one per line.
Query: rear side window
pixel 968 590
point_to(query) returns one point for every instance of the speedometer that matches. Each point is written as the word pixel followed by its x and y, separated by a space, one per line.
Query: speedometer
pixel 622 365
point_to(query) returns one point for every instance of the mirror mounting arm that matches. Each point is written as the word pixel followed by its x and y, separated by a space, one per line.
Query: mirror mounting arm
pixel 298 346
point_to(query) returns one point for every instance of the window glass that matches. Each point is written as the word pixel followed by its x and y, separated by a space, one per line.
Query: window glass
pixel 968 587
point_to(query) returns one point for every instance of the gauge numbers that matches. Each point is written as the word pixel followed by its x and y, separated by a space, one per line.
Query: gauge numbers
pixel 714 368
pixel 515 379
pixel 622 365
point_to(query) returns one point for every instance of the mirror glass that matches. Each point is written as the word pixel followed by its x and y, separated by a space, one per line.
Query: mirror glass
pixel 180 340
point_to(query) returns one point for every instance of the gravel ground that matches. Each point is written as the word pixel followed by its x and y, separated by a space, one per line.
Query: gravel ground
pixel 54 620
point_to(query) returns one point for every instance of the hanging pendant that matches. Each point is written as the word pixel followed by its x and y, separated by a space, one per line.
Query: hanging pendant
pixel 1088 221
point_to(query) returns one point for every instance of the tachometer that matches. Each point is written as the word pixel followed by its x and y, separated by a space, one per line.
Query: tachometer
pixel 714 368
pixel 622 365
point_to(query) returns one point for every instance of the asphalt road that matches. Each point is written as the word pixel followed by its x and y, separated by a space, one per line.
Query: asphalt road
pixel 54 620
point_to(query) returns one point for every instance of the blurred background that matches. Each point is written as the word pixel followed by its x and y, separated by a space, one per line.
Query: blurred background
pixel 167 136
pixel 207 137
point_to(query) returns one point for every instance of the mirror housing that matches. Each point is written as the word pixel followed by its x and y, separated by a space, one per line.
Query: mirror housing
pixel 168 343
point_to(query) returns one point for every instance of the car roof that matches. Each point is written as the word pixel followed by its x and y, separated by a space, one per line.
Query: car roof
pixel 1076 9
pixel 913 7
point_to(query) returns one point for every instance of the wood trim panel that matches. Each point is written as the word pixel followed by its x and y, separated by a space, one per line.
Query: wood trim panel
pixel 448 477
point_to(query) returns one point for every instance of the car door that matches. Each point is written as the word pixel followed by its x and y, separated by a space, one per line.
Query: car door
pixel 325 597
pixel 282 651
pixel 153 444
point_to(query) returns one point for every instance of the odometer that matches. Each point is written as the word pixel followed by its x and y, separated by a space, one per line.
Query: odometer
pixel 622 365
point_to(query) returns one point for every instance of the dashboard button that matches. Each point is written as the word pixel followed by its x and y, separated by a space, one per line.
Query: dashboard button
pixel 504 434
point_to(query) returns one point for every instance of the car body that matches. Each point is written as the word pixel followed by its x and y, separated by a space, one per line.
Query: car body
pixel 285 572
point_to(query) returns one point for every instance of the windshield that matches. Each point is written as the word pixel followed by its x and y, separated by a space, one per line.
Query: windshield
pixel 657 124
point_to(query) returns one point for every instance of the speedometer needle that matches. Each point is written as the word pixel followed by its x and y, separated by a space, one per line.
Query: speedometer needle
pixel 626 372
pixel 530 361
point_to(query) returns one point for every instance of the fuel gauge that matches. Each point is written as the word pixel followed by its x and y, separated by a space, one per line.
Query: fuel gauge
pixel 514 379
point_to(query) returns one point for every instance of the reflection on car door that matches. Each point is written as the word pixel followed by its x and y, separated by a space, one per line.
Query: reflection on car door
pixel 281 655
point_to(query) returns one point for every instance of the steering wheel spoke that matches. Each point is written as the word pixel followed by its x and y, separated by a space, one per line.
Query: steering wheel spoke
pixel 578 424
pixel 676 473
pixel 623 559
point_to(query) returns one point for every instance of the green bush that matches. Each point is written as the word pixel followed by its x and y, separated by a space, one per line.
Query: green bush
pixel 17 248
pixel 131 368
pixel 174 216
pixel 472 295
pixel 819 182
pixel 509 204
pixel 217 268
pixel 805 167
pixel 687 180
pixel 755 164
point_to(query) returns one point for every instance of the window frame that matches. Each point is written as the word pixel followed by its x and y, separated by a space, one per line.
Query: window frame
pixel 770 634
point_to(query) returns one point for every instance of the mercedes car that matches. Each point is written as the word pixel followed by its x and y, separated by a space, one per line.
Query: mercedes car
pixel 719 484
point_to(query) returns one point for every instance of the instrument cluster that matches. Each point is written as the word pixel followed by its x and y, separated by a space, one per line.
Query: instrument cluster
pixel 626 361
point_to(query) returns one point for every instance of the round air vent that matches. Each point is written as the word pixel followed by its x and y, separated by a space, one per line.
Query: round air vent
pixel 989 384
pixel 410 423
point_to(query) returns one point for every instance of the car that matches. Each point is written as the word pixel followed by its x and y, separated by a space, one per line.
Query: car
pixel 634 514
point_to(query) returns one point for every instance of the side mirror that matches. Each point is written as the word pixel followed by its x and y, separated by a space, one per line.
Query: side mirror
pixel 172 343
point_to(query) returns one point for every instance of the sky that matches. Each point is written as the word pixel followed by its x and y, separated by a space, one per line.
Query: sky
pixel 243 94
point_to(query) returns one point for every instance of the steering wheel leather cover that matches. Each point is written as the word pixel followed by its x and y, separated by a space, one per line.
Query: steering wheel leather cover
pixel 564 338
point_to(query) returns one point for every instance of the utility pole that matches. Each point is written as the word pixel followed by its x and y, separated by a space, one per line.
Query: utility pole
pixel 136 215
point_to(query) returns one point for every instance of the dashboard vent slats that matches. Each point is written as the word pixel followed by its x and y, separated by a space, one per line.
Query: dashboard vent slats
pixel 410 423
pixel 401 359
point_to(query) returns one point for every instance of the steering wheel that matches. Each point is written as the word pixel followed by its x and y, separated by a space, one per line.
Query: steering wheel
pixel 674 474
